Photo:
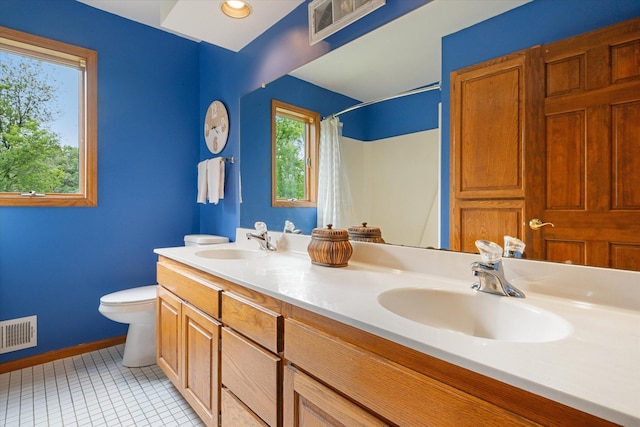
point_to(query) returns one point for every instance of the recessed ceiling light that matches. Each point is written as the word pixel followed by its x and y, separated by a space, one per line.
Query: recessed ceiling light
pixel 236 9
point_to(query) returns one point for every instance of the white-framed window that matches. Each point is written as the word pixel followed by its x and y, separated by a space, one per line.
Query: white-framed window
pixel 48 122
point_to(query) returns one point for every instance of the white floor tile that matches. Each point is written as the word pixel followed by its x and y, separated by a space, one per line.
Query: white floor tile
pixel 92 389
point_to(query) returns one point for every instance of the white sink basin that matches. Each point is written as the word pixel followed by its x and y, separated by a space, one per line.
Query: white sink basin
pixel 230 254
pixel 476 314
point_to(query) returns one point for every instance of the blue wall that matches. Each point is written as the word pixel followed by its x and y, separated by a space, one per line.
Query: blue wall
pixel 255 128
pixel 400 116
pixel 538 22
pixel 221 79
pixel 282 48
pixel 57 262
pixel 153 91
pixel 383 120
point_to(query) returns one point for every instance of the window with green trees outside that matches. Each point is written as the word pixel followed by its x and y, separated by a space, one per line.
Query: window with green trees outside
pixel 47 122
pixel 295 137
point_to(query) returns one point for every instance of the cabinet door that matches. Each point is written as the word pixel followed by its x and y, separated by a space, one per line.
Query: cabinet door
pixel 169 312
pixel 201 362
pixel 307 403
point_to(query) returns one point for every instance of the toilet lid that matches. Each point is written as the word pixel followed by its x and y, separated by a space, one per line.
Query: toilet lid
pixel 130 296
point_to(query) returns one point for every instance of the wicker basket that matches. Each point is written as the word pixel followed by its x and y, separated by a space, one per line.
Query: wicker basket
pixel 362 233
pixel 329 247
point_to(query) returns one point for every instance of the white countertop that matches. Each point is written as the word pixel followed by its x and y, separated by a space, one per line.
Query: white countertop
pixel 594 369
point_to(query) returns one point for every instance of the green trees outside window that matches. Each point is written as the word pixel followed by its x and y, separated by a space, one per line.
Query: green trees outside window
pixel 295 140
pixel 290 158
pixel 32 154
pixel 48 122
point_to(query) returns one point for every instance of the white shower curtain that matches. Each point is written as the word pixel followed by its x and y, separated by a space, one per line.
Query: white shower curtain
pixel 334 197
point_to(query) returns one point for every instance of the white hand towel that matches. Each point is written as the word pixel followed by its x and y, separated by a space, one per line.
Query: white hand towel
pixel 215 180
pixel 202 182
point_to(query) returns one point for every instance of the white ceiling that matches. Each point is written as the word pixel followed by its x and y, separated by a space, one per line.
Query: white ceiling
pixel 399 56
pixel 402 55
pixel 201 20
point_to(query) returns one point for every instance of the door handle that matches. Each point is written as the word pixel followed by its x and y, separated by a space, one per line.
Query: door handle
pixel 537 224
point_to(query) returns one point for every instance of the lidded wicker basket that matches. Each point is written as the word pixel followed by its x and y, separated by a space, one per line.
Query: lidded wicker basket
pixel 362 233
pixel 330 247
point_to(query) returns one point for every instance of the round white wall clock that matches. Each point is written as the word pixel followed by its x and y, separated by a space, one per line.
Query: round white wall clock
pixel 216 127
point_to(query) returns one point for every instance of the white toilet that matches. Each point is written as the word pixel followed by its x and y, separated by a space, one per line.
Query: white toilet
pixel 137 307
pixel 204 239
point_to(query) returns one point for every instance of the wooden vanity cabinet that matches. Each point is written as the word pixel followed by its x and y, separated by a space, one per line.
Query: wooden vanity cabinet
pixel 251 363
pixel 394 392
pixel 242 358
pixel 398 385
pixel 188 339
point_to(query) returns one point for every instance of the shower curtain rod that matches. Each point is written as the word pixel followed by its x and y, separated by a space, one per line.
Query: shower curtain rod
pixel 387 98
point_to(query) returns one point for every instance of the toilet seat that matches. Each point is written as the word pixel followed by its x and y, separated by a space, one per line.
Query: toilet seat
pixel 133 296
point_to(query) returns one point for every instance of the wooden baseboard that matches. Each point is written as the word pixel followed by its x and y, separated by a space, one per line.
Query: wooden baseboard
pixel 27 362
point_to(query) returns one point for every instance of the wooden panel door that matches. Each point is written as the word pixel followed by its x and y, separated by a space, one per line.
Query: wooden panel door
pixel 592 152
pixel 168 312
pixel 201 363
pixel 552 133
pixel 493 119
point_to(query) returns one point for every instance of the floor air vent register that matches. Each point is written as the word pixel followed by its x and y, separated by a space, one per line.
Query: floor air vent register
pixel 16 334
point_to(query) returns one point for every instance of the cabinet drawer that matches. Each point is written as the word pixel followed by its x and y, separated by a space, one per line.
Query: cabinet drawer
pixel 196 291
pixel 235 413
pixel 253 321
pixel 398 394
pixel 253 375
pixel 309 403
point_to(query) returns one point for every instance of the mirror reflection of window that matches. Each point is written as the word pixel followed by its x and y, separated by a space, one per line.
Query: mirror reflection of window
pixel 295 136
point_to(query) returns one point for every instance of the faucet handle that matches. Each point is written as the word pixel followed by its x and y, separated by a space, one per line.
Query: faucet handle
pixel 260 226
pixel 489 252
pixel 289 226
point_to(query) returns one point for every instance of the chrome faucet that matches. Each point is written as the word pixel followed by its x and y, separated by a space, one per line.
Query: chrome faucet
pixel 262 236
pixel 490 272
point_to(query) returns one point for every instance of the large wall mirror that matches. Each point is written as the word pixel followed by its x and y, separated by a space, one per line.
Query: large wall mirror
pixel 394 150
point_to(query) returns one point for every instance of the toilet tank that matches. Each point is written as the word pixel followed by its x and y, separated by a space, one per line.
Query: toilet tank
pixel 204 239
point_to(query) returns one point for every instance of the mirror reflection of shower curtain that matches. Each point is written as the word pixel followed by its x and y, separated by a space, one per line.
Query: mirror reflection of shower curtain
pixel 334 196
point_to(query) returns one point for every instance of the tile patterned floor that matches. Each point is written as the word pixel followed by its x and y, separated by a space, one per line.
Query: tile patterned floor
pixel 92 389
